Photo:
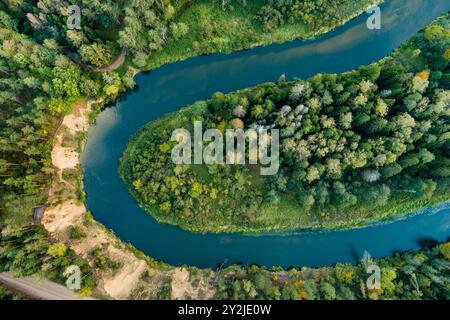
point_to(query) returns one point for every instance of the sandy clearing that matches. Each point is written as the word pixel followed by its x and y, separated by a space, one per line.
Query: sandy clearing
pixel 182 288
pixel 59 218
pixel 180 283
pixel 77 123
pixel 122 284
pixel 68 158
pixel 65 158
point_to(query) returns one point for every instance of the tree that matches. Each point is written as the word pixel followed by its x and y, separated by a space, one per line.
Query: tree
pixel 422 188
pixel 140 59
pixel 59 106
pixel 371 175
pixel 445 250
pixel 377 195
pixel 178 30
pixel 346 120
pixel 345 273
pixel 263 284
pixel 328 291
pixel 95 54
pixel 345 293
pixel 388 275
pixel 306 201
pixel 391 170
pixel 272 197
pixel 57 250
pixel 77 38
pixel 311 289
pixel 90 88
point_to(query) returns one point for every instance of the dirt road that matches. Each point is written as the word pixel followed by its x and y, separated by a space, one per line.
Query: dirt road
pixel 38 289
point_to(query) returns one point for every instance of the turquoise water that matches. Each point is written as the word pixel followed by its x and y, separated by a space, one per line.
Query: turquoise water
pixel 173 86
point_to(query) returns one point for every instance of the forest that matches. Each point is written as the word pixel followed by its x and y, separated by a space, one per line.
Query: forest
pixel 412 275
pixel 360 146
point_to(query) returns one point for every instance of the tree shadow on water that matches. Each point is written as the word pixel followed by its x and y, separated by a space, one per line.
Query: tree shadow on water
pixel 427 243
pixel 356 257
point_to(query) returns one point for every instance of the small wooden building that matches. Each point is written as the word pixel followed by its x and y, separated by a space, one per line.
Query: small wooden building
pixel 38 213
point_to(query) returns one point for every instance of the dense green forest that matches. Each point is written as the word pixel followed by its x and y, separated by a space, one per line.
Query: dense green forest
pixel 364 145
pixel 46 68
pixel 423 275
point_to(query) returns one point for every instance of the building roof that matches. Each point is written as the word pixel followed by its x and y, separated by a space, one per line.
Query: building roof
pixel 38 213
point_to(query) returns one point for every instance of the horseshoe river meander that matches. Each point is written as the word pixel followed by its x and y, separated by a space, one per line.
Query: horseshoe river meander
pixel 173 86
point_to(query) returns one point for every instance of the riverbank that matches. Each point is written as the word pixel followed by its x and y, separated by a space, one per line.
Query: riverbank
pixel 216 30
pixel 122 271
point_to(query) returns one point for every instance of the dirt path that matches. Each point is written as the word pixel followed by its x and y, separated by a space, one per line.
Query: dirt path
pixel 117 63
pixel 38 289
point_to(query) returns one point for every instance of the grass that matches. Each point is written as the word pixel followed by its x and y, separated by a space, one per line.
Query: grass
pixel 289 215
